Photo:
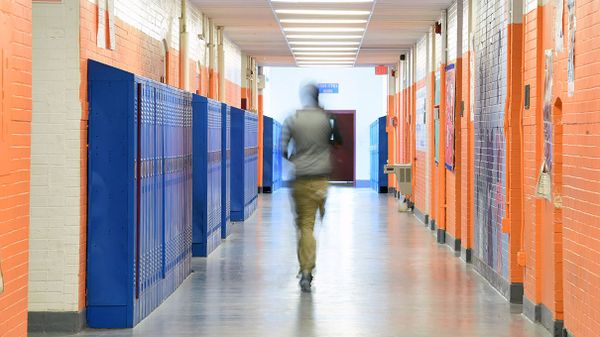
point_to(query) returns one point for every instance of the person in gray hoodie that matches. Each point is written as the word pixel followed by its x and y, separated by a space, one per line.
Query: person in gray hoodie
pixel 312 132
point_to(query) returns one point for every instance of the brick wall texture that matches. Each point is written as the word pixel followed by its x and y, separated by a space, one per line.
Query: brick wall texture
pixel 15 130
pixel 556 250
pixel 66 37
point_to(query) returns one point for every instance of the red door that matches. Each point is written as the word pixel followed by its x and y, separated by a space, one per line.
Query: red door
pixel 342 157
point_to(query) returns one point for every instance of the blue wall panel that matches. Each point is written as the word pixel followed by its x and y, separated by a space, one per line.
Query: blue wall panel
pixel 378 155
pixel 272 155
pixel 139 195
pixel 207 140
pixel 244 164
pixel 226 171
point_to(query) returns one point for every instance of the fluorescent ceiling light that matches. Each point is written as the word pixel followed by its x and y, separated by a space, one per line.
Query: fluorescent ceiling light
pixel 320 58
pixel 323 21
pixel 322 1
pixel 322 12
pixel 331 53
pixel 325 65
pixel 295 49
pixel 324 29
pixel 324 37
pixel 325 62
pixel 324 43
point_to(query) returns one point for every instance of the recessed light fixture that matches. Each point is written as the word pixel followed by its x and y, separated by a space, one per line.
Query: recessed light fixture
pixel 323 37
pixel 295 49
pixel 325 65
pixel 323 1
pixel 324 29
pixel 331 12
pixel 324 21
pixel 323 58
pixel 330 53
pixel 324 43
pixel 325 62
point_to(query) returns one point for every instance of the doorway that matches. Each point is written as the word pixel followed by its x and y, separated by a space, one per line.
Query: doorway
pixel 343 157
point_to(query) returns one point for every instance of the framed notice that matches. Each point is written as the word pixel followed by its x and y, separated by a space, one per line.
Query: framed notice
pixel 421 132
pixel 450 112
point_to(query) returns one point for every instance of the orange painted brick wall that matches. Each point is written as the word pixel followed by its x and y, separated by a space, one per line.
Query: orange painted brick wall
pixel 15 141
pixel 233 94
pixel 530 161
pixel 580 173
pixel 453 182
pixel 420 169
pixel 466 150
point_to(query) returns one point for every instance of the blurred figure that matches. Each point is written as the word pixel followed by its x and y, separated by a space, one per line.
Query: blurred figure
pixel 311 132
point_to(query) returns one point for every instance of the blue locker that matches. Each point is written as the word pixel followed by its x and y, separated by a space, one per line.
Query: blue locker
pixel 129 269
pixel 272 155
pixel 244 164
pixel 378 155
pixel 207 149
pixel 226 171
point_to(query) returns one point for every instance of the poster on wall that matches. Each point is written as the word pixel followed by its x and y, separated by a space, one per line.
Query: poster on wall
pixel 450 109
pixel 571 41
pixel 548 73
pixel 421 132
pixel 558 26
pixel 101 36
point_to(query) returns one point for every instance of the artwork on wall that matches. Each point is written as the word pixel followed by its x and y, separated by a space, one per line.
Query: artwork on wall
pixel 421 132
pixel 558 26
pixel 571 64
pixel 548 73
pixel 450 114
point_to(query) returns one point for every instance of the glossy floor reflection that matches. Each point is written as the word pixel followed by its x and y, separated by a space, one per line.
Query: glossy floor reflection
pixel 380 273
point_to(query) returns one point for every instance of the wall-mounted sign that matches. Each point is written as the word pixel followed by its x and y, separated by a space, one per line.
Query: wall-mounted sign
pixel 381 70
pixel 329 88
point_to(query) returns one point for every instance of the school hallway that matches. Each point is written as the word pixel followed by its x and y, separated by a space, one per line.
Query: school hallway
pixel 379 273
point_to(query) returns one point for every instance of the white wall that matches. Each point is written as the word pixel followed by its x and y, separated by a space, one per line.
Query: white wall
pixel 359 89
pixel 55 228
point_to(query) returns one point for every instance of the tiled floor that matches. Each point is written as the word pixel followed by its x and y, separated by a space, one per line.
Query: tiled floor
pixel 380 273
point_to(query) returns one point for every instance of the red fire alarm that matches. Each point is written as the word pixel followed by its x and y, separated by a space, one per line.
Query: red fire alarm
pixel 381 70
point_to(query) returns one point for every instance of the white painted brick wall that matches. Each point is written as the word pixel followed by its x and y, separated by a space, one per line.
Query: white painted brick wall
pixel 233 62
pixel 55 158
pixel 465 28
pixel 452 32
pixel 421 58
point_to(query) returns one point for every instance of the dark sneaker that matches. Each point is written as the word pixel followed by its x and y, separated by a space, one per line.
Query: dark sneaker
pixel 305 282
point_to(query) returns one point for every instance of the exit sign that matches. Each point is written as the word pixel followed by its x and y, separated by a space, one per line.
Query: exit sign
pixel 381 70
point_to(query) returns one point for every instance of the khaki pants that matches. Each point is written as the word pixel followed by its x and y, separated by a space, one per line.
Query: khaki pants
pixel 309 196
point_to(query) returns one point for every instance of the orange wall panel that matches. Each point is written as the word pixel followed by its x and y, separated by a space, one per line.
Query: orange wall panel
pixel 15 144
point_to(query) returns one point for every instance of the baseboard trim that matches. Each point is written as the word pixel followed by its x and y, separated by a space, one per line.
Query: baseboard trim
pixel 555 327
pixel 421 216
pixel 441 236
pixel 453 243
pixel 432 225
pixel 513 292
pixel 531 310
pixel 467 255
pixel 63 322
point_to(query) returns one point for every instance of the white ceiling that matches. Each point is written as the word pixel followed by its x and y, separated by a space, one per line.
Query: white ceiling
pixel 395 25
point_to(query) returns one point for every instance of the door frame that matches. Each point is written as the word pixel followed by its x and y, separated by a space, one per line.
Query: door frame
pixel 353 113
